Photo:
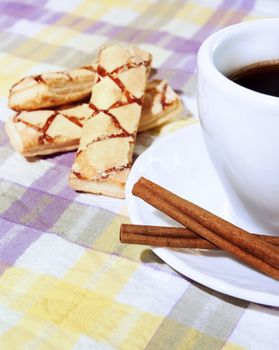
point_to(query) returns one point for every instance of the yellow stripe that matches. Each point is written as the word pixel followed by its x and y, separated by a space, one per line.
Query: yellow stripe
pixel 195 13
pixel 231 346
pixel 141 332
pixel 12 68
pixel 35 292
pixel 22 334
pixel 109 239
pixel 92 10
pixel 32 333
pixel 105 274
pixel 189 340
pixel 14 283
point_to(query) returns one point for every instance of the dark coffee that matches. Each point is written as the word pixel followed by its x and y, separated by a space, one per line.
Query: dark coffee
pixel 261 77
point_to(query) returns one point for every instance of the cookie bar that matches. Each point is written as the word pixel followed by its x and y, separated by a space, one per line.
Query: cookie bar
pixel 160 105
pixel 47 131
pixel 52 89
pixel 104 156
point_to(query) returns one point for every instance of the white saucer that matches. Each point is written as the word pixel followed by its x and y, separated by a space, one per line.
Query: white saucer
pixel 180 163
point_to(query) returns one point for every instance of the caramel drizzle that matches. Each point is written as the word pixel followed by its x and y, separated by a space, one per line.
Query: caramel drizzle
pixel 164 103
pixel 74 120
pixel 39 79
pixel 130 98
pixel 16 119
pixel 114 120
pixel 107 137
pixel 91 68
pixel 131 65
pixel 67 75
pixel 102 73
pixel 43 129
pixel 44 137
pixel 14 85
pixel 78 175
pixel 106 173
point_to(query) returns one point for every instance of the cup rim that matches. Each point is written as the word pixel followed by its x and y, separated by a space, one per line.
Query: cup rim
pixel 205 59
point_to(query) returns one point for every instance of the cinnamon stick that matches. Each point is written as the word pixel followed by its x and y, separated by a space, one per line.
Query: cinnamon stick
pixel 161 231
pixel 172 242
pixel 158 236
pixel 217 231
pixel 177 237
pixel 223 228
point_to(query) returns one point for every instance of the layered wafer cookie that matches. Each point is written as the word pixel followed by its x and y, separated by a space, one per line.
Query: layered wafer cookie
pixel 104 156
pixel 47 131
pixel 52 89
pixel 160 105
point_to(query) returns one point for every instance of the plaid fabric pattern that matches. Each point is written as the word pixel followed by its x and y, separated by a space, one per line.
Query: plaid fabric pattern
pixel 66 282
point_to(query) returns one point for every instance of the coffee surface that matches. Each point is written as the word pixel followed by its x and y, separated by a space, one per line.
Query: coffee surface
pixel 261 77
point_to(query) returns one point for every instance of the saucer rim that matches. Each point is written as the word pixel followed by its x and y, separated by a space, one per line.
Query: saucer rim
pixel 167 254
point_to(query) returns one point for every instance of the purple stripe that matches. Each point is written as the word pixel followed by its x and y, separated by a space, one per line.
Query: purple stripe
pixel 66 193
pixel 64 159
pixel 20 10
pixel 181 45
pixel 210 26
pixel 178 79
pixel 30 199
pixel 155 37
pixel 41 222
pixel 5 227
pixel 181 62
pixel 16 11
pixel 5 22
pixel 96 26
pixel 204 31
pixel 50 213
pixel 174 42
pixel 247 5
pixel 171 42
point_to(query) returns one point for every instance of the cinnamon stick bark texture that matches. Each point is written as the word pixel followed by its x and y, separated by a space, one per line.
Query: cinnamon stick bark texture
pixel 178 237
pixel 251 250
pixel 158 236
pixel 173 242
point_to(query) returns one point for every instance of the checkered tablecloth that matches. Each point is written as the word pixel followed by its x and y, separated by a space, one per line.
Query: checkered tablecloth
pixel 66 282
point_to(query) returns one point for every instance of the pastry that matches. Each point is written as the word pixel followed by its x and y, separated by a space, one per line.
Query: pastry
pixel 104 156
pixel 25 129
pixel 52 89
pixel 160 105
pixel 47 131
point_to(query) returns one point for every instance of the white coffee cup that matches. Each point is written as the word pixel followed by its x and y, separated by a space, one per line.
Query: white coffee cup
pixel 241 126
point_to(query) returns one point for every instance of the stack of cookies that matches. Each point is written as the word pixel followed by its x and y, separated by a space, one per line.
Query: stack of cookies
pixel 97 109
